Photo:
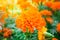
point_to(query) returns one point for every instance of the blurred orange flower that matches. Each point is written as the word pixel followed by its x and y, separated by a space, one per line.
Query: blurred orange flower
pixel 54 39
pixel 7 32
pixel 48 4
pixel 58 27
pixel 49 19
pixel 25 5
pixel 56 6
pixel 46 12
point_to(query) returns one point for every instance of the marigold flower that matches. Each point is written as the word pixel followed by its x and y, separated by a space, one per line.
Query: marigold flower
pixel 48 4
pixel 7 32
pixel 56 6
pixel 49 19
pixel 58 27
pixel 30 19
pixel 46 12
pixel 54 39
pixel 25 5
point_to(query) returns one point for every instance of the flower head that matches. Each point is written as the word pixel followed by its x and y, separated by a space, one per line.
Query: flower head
pixel 48 4
pixel 54 39
pixel 56 6
pixel 49 19
pixel 58 27
pixel 46 12
pixel 7 32
pixel 30 19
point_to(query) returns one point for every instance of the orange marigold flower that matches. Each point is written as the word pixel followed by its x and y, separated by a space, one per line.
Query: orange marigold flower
pixel 24 5
pixel 49 19
pixel 56 6
pixel 48 4
pixel 54 39
pixel 6 29
pixel 58 27
pixel 7 32
pixel 46 12
pixel 30 19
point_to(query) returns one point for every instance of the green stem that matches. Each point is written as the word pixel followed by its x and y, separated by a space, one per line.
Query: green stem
pixel 48 34
pixel 5 39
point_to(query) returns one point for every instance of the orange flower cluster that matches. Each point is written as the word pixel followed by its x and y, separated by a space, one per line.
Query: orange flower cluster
pixel 56 5
pixel 7 32
pixel 54 39
pixel 25 5
pixel 49 19
pixel 46 12
pixel 53 5
pixel 58 27
pixel 48 4
pixel 30 19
